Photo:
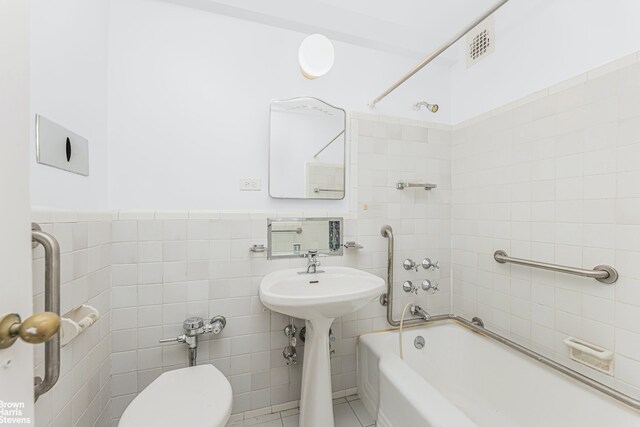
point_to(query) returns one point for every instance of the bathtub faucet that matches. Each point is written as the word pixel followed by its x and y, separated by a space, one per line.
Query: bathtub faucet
pixel 416 310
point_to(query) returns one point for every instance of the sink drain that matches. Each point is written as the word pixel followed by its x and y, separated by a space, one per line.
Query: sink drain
pixel 419 342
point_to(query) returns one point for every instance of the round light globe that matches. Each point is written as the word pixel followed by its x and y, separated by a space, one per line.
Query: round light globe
pixel 316 56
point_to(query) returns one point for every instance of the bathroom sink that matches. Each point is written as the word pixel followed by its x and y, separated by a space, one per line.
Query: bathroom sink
pixel 318 298
pixel 332 293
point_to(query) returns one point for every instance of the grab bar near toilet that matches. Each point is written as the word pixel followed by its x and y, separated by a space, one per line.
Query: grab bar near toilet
pixel 52 305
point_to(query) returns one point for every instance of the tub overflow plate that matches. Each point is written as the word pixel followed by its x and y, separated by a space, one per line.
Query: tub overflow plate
pixel 419 342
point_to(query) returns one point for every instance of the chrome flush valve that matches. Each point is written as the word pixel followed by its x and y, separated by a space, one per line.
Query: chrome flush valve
pixel 193 327
pixel 216 325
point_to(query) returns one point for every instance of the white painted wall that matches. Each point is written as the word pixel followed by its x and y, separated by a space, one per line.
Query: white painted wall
pixel 69 86
pixel 189 103
pixel 540 43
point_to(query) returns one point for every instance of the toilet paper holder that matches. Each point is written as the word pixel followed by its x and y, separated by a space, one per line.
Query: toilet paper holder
pixel 76 322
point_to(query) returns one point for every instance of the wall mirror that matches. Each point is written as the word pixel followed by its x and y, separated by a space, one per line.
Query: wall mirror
pixel 306 150
pixel 294 237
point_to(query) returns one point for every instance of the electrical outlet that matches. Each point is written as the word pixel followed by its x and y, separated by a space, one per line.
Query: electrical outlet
pixel 250 184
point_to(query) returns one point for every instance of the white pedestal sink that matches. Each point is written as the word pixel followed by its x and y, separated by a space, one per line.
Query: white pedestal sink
pixel 318 298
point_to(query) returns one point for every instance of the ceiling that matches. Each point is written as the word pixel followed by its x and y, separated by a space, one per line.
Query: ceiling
pixel 411 28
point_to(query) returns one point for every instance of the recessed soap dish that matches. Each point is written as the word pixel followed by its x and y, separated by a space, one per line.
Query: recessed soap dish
pixel 591 355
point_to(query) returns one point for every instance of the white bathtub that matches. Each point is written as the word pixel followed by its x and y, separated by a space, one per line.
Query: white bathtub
pixel 462 379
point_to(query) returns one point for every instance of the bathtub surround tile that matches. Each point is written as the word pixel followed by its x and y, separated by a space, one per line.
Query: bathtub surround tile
pixel 567 174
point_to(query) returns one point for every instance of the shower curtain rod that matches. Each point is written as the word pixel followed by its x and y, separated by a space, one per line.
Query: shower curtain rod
pixel 437 52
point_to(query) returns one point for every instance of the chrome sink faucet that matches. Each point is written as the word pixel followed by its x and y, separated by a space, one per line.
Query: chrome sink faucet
pixel 312 262
pixel 416 310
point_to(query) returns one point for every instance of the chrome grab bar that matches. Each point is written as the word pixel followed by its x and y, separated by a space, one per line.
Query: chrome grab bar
pixel 602 273
pixel 51 304
pixel 327 190
pixel 400 185
pixel 295 230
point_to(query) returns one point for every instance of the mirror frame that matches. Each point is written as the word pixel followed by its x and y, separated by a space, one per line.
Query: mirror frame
pixel 270 221
pixel 344 155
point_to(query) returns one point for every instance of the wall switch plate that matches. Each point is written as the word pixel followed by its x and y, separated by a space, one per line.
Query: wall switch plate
pixel 250 184
pixel 61 148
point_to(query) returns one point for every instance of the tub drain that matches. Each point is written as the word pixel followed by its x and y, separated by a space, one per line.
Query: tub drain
pixel 419 342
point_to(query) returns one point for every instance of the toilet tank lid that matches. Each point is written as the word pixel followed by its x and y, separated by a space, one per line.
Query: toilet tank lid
pixel 198 396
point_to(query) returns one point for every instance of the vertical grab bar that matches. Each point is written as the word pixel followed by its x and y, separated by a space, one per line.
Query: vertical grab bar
pixel 51 304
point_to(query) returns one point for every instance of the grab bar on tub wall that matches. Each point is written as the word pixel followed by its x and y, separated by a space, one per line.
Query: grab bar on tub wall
pixel 602 273
pixel 51 304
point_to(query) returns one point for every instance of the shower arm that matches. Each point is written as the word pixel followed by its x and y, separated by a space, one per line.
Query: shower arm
pixel 437 52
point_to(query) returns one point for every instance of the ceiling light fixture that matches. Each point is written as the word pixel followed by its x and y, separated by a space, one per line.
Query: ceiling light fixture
pixel 316 56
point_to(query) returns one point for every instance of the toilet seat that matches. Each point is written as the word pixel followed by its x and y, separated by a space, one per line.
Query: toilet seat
pixel 198 396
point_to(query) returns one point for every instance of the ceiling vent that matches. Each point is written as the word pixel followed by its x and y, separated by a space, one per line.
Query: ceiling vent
pixel 480 41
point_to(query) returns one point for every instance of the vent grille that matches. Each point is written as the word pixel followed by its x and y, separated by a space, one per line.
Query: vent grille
pixel 479 45
pixel 480 41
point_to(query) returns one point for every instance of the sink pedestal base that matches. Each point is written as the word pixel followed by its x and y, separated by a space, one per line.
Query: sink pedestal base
pixel 316 404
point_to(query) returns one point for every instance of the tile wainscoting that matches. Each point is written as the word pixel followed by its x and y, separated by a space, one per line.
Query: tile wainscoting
pixel 171 265
pixel 161 267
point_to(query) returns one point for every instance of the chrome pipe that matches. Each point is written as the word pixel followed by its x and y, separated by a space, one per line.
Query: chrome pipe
pixel 193 355
pixel 602 273
pixel 437 52
pixel 51 304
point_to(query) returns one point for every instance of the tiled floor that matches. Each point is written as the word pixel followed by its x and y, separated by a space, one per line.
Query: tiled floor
pixel 349 412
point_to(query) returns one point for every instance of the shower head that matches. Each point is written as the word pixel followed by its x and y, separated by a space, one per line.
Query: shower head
pixel 431 107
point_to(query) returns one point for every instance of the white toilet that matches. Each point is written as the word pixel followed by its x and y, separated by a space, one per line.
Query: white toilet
pixel 198 396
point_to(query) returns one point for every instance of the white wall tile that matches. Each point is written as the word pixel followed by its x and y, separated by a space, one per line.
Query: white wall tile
pixel 584 189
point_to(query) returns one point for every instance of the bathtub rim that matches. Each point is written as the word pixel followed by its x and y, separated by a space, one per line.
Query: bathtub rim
pixel 619 396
